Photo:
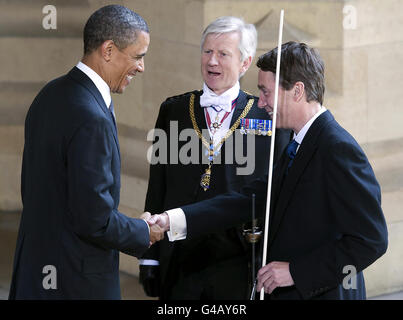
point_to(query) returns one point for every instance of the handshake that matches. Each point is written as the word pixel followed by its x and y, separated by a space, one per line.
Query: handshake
pixel 158 223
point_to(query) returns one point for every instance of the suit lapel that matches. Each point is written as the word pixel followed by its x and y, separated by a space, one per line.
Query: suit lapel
pixel 83 79
pixel 287 186
pixel 199 112
pixel 115 127
pixel 278 174
pixel 240 105
pixel 202 124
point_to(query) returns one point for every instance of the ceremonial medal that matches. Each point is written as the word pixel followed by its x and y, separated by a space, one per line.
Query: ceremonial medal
pixel 205 178
pixel 258 127
pixel 215 125
pixel 262 125
pixel 253 125
pixel 242 130
pixel 265 129
pixel 270 123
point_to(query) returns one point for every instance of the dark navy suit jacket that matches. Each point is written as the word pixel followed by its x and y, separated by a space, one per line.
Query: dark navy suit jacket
pixel 325 215
pixel 70 185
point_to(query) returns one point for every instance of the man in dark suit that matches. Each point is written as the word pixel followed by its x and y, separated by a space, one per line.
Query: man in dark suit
pixel 71 231
pixel 213 266
pixel 326 222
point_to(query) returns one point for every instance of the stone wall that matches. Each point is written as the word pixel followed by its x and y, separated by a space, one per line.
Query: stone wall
pixel 360 41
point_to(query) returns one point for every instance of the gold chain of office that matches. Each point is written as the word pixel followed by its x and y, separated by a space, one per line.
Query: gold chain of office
pixel 230 131
pixel 205 178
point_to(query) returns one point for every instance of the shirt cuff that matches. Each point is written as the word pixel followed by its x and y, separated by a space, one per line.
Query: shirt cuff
pixel 149 231
pixel 178 226
pixel 149 262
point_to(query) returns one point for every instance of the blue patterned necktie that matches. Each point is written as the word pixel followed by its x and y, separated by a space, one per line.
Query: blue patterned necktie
pixel 291 152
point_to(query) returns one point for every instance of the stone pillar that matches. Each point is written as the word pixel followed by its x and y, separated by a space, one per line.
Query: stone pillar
pixel 31 56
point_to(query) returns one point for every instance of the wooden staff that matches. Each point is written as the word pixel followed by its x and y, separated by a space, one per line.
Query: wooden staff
pixel 273 139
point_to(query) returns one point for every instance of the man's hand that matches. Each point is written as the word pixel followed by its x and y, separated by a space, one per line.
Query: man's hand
pixel 156 233
pixel 273 275
pixel 161 220
pixel 145 216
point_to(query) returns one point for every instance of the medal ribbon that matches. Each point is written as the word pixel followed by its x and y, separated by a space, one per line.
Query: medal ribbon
pixel 223 118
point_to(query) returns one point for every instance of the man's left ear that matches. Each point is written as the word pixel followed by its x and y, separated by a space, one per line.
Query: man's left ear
pixel 106 49
pixel 246 64
pixel 299 90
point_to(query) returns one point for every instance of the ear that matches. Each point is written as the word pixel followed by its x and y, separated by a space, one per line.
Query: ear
pixel 107 49
pixel 246 64
pixel 299 91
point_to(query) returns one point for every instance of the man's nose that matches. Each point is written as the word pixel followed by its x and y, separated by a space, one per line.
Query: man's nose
pixel 261 102
pixel 213 60
pixel 141 66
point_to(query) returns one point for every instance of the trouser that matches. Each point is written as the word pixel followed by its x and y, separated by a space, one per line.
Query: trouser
pixel 224 280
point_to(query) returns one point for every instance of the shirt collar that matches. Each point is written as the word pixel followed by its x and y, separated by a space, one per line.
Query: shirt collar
pixel 301 134
pixel 101 85
pixel 231 93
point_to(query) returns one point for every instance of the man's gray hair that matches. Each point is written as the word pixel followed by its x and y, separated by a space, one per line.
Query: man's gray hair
pixel 113 22
pixel 247 32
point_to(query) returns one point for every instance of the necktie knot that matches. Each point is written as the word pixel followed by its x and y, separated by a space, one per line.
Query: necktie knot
pixel 291 152
pixel 292 149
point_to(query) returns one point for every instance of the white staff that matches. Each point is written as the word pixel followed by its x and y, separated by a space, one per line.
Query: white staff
pixel 273 139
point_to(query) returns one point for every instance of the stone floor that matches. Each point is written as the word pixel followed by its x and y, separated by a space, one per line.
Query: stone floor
pixel 131 289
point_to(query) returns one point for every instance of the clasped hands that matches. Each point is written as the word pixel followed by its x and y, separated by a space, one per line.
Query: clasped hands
pixel 158 223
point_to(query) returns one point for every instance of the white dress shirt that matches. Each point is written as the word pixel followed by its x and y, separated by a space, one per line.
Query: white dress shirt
pixel 301 134
pixel 227 98
pixel 101 85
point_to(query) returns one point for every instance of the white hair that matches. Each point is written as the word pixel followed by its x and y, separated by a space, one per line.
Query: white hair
pixel 247 32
